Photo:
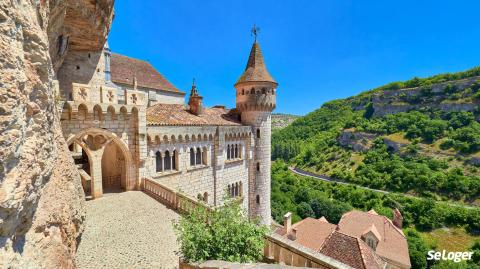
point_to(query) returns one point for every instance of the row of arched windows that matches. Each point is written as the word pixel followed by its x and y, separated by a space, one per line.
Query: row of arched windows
pixel 166 161
pixel 98 114
pixel 203 197
pixel 235 189
pixel 198 156
pixel 234 151
pixel 262 91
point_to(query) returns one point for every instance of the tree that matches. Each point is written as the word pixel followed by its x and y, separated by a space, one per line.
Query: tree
pixel 222 234
pixel 304 210
pixel 417 249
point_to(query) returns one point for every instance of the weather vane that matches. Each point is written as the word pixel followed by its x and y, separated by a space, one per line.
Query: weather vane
pixel 255 31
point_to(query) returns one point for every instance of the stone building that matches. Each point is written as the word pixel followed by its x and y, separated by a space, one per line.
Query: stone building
pixel 123 122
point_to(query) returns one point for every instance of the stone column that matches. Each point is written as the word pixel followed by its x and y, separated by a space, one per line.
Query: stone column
pixel 96 172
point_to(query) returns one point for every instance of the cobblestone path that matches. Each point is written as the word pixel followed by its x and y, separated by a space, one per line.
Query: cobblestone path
pixel 128 230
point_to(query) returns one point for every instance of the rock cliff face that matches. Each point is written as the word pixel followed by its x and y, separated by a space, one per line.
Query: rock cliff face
pixel 41 200
pixel 457 95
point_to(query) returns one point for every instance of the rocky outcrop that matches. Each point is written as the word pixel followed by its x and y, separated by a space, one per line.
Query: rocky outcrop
pixel 41 200
pixel 437 96
pixel 357 141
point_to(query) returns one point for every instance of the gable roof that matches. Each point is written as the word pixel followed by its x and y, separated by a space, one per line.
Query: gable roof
pixel 351 251
pixel 393 244
pixel 174 114
pixel 310 232
pixel 124 69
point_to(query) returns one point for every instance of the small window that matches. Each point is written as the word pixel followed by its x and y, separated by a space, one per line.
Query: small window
pixel 198 157
pixel 228 152
pixel 258 167
pixel 258 199
pixel 78 67
pixel 258 133
pixel 159 161
pixel 192 157
pixel 205 197
pixel 89 56
pixel 168 161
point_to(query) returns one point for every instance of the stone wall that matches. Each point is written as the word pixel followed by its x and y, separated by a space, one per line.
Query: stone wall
pixel 212 177
pixel 260 172
pixel 41 200
pixel 158 96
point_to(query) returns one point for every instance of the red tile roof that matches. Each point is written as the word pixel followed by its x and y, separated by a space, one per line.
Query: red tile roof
pixel 123 69
pixel 351 251
pixel 343 241
pixel 173 114
pixel 393 244
pixel 311 232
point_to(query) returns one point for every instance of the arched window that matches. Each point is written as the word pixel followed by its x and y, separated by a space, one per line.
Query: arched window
pixel 82 112
pixel 229 191
pixel 264 91
pixel 228 152
pixel 158 161
pixel 97 113
pixel 258 167
pixel 258 133
pixel 205 197
pixel 174 160
pixel 232 152
pixel 236 189
pixel 110 113
pixel 258 199
pixel 243 91
pixel 192 157
pixel 167 160
pixel 236 150
pixel 198 156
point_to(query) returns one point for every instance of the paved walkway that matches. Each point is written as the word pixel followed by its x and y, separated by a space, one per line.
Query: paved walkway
pixel 128 230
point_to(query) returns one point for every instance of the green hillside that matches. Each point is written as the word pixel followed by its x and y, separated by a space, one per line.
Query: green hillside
pixel 419 137
pixel 422 140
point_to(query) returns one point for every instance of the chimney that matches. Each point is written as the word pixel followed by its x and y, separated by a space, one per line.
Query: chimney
pixel 195 101
pixel 397 218
pixel 287 222
pixel 293 234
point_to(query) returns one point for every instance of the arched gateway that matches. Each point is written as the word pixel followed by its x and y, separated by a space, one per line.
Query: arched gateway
pixel 104 161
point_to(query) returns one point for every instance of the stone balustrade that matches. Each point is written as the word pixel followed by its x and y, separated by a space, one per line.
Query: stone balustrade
pixel 276 250
pixel 169 197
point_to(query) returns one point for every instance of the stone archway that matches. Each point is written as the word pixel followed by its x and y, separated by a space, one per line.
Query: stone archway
pixel 94 142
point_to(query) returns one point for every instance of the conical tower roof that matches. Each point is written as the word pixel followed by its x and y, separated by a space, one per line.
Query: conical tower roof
pixel 255 71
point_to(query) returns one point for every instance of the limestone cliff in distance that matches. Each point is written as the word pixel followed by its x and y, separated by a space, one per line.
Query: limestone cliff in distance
pixel 42 204
pixel 280 121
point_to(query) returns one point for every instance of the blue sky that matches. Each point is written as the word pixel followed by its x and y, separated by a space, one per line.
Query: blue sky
pixel 316 50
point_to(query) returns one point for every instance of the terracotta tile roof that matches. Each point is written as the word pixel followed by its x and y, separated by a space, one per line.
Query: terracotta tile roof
pixel 393 244
pixel 351 251
pixel 173 114
pixel 123 69
pixel 255 69
pixel 311 232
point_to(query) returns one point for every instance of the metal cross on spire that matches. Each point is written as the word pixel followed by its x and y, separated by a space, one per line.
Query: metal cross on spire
pixel 255 30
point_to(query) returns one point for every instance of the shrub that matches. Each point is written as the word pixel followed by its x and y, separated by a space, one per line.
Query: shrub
pixel 223 234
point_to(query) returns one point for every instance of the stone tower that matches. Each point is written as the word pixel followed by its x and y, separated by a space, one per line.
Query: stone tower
pixel 255 101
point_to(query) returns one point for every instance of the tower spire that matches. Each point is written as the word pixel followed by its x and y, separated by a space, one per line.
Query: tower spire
pixel 256 70
pixel 195 100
